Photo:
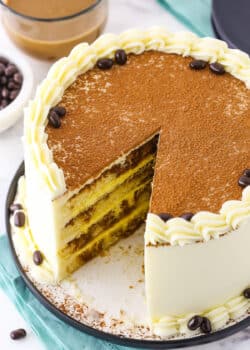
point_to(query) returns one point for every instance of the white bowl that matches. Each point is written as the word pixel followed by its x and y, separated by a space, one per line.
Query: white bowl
pixel 10 114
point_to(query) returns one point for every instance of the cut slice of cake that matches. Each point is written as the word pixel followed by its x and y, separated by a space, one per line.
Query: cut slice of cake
pixel 146 122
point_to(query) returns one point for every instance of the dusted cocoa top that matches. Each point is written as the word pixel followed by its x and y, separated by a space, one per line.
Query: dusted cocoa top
pixel 203 120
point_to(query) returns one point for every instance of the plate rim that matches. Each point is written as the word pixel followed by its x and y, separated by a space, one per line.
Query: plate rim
pixel 218 30
pixel 119 340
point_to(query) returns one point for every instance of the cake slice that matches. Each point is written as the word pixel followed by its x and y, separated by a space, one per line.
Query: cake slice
pixel 147 122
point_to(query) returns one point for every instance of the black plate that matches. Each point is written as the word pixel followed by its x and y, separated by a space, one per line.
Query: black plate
pixel 230 19
pixel 146 344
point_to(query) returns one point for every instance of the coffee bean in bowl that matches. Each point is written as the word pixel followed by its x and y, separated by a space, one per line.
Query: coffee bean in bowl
pixel 16 87
pixel 10 83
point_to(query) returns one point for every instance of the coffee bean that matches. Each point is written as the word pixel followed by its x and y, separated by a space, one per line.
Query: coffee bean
pixel 10 70
pixel 18 78
pixel 10 82
pixel 37 257
pixel 18 334
pixel 19 219
pixel 54 120
pixel 13 94
pixel 246 172
pixel 4 60
pixel 5 93
pixel 246 293
pixel 217 68
pixel 206 326
pixel 120 57
pixel 61 111
pixel 244 181
pixel 187 216
pixel 198 64
pixel 3 81
pixel 105 63
pixel 165 216
pixel 15 206
pixel 194 322
pixel 13 86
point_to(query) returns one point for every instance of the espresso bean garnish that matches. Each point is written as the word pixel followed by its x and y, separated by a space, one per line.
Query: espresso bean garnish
pixel 198 64
pixel 18 334
pixel 37 257
pixel 244 181
pixel 61 111
pixel 165 216
pixel 54 120
pixel 187 216
pixel 120 57
pixel 15 206
pixel 19 219
pixel 217 68
pixel 206 326
pixel 194 322
pixel 246 293
pixel 246 172
pixel 105 63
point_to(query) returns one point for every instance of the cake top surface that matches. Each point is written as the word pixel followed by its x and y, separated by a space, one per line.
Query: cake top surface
pixel 203 120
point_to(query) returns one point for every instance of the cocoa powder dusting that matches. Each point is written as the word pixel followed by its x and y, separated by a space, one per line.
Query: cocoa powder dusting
pixel 203 120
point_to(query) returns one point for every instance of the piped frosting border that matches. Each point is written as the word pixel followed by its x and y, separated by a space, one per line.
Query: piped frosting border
pixel 219 316
pixel 204 225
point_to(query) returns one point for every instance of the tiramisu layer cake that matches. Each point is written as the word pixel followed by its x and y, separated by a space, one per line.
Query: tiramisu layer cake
pixel 146 122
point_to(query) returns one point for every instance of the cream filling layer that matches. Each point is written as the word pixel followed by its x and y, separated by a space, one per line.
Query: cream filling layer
pixel 86 199
pixel 106 207
pixel 122 224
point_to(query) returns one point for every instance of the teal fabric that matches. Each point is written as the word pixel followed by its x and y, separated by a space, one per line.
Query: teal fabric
pixel 194 14
pixel 54 333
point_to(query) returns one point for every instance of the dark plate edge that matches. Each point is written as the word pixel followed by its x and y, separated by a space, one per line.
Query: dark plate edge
pixel 147 344
pixel 218 30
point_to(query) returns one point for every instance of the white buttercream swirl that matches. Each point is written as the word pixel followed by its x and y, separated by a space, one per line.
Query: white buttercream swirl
pixel 219 317
pixel 203 225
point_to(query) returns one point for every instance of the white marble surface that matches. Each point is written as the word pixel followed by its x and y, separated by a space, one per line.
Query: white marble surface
pixel 123 15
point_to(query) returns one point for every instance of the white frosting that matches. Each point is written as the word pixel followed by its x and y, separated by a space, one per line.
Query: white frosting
pixel 203 225
pixel 24 242
pixel 205 279
pixel 219 317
